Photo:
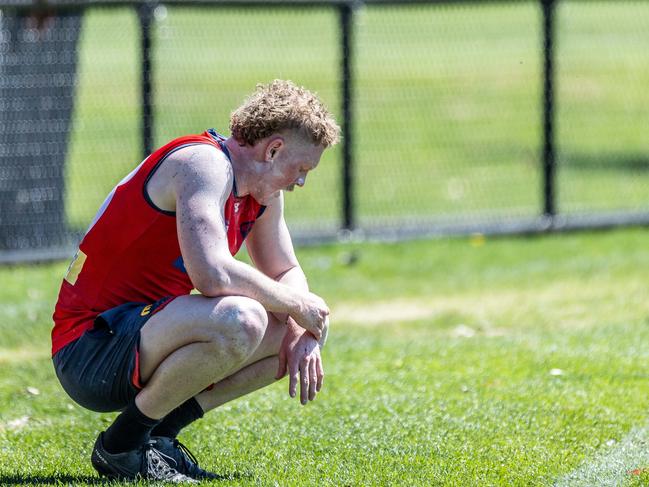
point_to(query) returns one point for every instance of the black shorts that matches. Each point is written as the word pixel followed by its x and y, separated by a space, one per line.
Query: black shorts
pixel 100 370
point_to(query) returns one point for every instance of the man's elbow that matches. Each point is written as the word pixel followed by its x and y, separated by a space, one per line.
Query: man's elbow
pixel 216 282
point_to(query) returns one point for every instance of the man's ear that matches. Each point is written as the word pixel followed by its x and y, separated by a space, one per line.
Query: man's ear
pixel 273 147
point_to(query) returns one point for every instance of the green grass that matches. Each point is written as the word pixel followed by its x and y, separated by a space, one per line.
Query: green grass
pixel 409 398
pixel 448 117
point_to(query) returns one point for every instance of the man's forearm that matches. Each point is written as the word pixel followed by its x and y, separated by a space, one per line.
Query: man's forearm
pixel 284 297
pixel 293 278
pixel 296 278
pixel 237 278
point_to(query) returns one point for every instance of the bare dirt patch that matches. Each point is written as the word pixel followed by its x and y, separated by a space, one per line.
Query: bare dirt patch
pixel 568 303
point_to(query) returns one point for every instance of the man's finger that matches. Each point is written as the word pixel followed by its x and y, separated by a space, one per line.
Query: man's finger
pixel 319 373
pixel 313 379
pixel 292 383
pixel 304 380
pixel 281 369
pixel 317 333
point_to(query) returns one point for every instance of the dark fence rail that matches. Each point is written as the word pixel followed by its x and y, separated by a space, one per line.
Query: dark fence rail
pixel 549 217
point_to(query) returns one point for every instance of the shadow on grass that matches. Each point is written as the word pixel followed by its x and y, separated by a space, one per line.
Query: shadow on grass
pixel 66 479
pixel 605 162
pixel 57 479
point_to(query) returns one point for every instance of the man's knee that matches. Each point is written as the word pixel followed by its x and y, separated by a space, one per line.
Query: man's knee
pixel 238 324
pixel 252 319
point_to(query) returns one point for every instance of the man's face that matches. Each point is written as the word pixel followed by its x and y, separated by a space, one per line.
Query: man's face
pixel 290 160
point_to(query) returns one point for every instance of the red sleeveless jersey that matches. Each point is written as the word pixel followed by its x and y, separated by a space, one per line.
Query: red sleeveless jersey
pixel 131 252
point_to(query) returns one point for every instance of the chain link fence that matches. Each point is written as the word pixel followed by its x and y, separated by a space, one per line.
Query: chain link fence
pixel 603 106
pixel 449 114
pixel 38 57
pixel 445 130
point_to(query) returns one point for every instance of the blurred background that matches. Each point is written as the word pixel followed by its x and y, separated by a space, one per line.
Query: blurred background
pixel 459 116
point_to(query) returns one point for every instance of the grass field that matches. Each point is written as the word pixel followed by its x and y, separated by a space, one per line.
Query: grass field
pixel 448 102
pixel 451 362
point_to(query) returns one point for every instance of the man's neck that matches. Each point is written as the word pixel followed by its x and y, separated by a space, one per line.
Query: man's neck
pixel 237 157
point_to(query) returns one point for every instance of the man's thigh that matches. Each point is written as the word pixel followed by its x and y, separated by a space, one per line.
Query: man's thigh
pixel 193 319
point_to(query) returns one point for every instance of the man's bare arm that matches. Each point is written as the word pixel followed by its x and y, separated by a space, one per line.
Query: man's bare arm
pixel 271 250
pixel 202 182
pixel 270 247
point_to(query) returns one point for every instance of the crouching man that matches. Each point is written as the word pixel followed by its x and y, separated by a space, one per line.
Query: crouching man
pixel 128 336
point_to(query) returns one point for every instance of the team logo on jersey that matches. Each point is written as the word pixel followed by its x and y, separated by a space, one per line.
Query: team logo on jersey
pixel 146 310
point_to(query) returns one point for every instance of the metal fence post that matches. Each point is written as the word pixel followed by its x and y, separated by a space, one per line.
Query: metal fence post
pixel 145 14
pixel 346 28
pixel 549 162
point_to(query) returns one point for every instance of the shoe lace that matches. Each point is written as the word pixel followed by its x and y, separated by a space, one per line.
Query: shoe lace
pixel 188 455
pixel 158 468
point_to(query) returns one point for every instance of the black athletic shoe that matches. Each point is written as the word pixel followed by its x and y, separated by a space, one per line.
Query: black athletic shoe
pixel 186 463
pixel 147 462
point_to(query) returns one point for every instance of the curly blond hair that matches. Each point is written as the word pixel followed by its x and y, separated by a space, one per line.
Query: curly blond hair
pixel 282 105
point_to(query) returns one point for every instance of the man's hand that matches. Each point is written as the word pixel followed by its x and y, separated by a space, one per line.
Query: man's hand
pixel 312 314
pixel 300 351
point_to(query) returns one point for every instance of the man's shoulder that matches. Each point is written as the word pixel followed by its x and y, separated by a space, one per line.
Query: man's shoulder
pixel 201 173
pixel 202 162
pixel 190 169
pixel 197 151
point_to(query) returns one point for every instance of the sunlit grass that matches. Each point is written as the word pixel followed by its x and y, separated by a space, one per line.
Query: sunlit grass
pixel 441 370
